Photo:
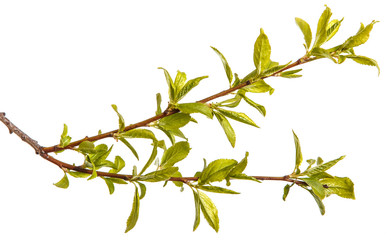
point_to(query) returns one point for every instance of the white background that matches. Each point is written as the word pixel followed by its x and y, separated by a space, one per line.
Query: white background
pixel 68 61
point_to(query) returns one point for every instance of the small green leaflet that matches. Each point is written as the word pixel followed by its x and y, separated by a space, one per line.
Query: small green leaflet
pixel 262 51
pixel 209 210
pixel 318 201
pixel 63 183
pixel 188 87
pixel 158 103
pixel 65 139
pixel 170 83
pixel 238 116
pixel 109 184
pixel 174 121
pixel 159 175
pixel 121 121
pixel 342 187
pixel 360 38
pixel 132 220
pixel 179 82
pixel 291 74
pixel 151 158
pixel 322 167
pixel 175 153
pixel 119 163
pixel 259 86
pixel 239 168
pixel 321 31
pixel 286 191
pixel 86 147
pixel 255 105
pixel 139 133
pixel 78 174
pixel 228 130
pixel 332 28
pixel 316 187
pixel 306 30
pixel 216 189
pixel 124 141
pixel 364 60
pixel 196 107
pixel 299 156
pixel 216 171
pixel 197 202
pixel 225 64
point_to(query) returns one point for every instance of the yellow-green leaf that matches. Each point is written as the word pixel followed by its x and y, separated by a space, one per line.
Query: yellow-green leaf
pixel 225 64
pixel 238 116
pixel 132 220
pixel 170 83
pixel 121 121
pixel 196 107
pixel 217 170
pixel 306 30
pixel 321 31
pixel 332 28
pixel 364 60
pixel 63 183
pixel 174 121
pixel 197 203
pixel 228 130
pixel 262 51
pixel 360 38
pixel 175 153
pixel 299 156
pixel 209 210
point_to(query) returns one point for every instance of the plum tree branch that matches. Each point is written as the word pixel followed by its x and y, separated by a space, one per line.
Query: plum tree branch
pixel 67 167
pixel 169 112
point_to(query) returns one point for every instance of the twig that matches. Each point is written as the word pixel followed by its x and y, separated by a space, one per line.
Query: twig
pixel 166 113
pixel 39 150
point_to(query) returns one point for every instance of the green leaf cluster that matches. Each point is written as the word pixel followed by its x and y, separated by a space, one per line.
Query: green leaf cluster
pixel 326 29
pixel 317 181
pixel 178 88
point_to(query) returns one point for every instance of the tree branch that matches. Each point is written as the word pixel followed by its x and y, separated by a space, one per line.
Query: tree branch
pixel 66 167
pixel 168 112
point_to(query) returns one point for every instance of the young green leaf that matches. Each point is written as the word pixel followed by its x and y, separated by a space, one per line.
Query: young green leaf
pixel 158 103
pixel 322 53
pixel 332 28
pixel 138 133
pixel 322 167
pixel 170 83
pixel 259 86
pixel 231 102
pixel 63 183
pixel 159 175
pixel 86 147
pixel 342 187
pixel 216 189
pixel 109 184
pixel 197 203
pixel 262 51
pixel 121 121
pixel 286 191
pixel 124 141
pixel 174 121
pixel 306 30
pixel 196 107
pixel 94 173
pixel 143 189
pixel 228 130
pixel 360 38
pixel 65 139
pixel 239 168
pixel 364 60
pixel 119 163
pixel 318 201
pixel 209 210
pixel 132 220
pixel 179 82
pixel 175 153
pixel 78 174
pixel 255 105
pixel 188 87
pixel 238 116
pixel 216 170
pixel 321 31
pixel 151 158
pixel 299 156
pixel 225 64
pixel 316 187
